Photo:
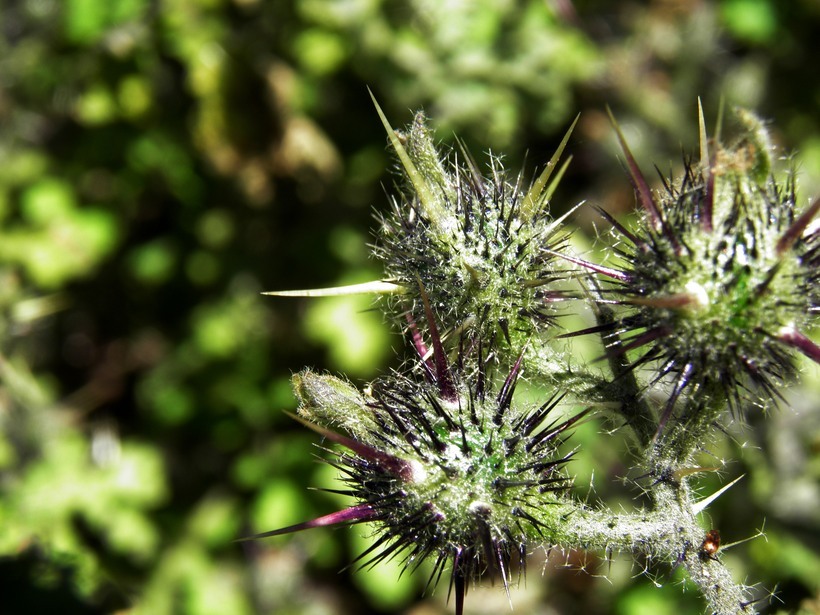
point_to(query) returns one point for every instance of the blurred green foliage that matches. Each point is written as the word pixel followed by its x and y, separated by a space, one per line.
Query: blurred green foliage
pixel 161 163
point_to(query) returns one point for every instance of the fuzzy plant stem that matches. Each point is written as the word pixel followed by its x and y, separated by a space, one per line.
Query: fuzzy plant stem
pixel 668 534
pixel 634 409
pixel 677 447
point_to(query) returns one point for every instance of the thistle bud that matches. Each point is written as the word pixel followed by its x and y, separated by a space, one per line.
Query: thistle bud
pixel 331 401
pixel 446 470
pixel 719 275
pixel 472 243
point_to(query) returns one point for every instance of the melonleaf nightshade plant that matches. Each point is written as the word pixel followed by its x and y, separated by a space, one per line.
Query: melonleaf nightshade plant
pixel 718 285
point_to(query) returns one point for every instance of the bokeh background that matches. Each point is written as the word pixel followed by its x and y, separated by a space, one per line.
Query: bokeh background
pixel 164 161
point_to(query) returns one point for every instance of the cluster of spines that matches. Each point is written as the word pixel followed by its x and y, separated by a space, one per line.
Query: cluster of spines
pixel 474 242
pixel 451 472
pixel 720 277
pixel 492 270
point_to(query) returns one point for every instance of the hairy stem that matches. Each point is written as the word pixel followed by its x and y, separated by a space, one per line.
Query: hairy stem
pixel 634 408
pixel 668 534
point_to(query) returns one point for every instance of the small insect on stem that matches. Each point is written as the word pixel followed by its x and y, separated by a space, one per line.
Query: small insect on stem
pixel 710 545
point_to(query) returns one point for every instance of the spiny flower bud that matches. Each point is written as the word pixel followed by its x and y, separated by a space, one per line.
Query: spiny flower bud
pixel 473 243
pixel 446 469
pixel 720 273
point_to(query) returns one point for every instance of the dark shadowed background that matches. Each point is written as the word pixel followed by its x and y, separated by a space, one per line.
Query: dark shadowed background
pixel 162 162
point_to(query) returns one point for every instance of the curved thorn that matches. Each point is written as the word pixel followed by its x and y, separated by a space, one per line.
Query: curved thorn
pixel 505 395
pixel 612 273
pixel 796 339
pixel 719 123
pixel 706 163
pixel 421 348
pixel 673 302
pixel 683 381
pixel 704 144
pixel 793 233
pixel 620 227
pixel 639 183
pixel 429 204
pixel 535 199
pixel 457 581
pixel 354 514
pixel 389 463
pixel 594 329
pixel 553 185
pixel 376 287
pixel 444 379
pixel 699 507
pixel 707 213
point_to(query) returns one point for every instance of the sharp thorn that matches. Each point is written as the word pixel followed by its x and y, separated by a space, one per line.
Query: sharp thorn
pixel 354 514
pixel 376 287
pixel 639 183
pixel 796 229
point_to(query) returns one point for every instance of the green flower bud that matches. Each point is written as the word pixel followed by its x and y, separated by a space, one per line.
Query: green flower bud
pixel 473 244
pixel 446 470
pixel 720 275
pixel 328 400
